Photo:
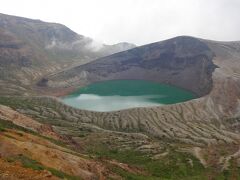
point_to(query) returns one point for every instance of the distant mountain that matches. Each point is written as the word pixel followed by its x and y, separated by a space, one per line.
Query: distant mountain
pixel 30 48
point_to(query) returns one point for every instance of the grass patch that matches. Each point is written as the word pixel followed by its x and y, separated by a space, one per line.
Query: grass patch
pixel 30 163
pixel 127 175
pixel 15 102
pixel 33 164
pixel 2 129
pixel 26 162
pixel 173 166
pixel 62 175
pixel 4 124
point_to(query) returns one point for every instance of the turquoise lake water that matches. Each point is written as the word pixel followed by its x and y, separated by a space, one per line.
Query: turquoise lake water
pixel 123 94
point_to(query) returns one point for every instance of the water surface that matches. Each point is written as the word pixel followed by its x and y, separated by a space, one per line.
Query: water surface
pixel 123 94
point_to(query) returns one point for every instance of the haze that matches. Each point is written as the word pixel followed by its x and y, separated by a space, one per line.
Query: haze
pixel 136 21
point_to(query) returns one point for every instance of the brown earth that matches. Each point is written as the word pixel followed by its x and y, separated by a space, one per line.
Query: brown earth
pixel 14 171
pixel 14 143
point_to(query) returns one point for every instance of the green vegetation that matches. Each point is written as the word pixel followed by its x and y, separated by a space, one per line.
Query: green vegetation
pixel 175 165
pixel 4 124
pixel 128 175
pixel 2 129
pixel 29 163
pixel 15 102
pixel 32 164
pixel 233 172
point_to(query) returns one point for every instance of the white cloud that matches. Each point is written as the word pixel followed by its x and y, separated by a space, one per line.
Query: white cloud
pixel 136 21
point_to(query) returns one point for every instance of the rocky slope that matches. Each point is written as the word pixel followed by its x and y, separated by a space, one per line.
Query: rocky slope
pixel 33 48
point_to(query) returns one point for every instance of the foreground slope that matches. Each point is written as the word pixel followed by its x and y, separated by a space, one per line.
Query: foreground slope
pixel 34 150
pixel 180 149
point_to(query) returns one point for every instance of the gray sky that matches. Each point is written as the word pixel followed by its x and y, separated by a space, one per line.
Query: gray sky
pixel 136 21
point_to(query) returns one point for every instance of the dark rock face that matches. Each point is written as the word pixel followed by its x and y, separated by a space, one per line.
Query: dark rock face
pixel 185 62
